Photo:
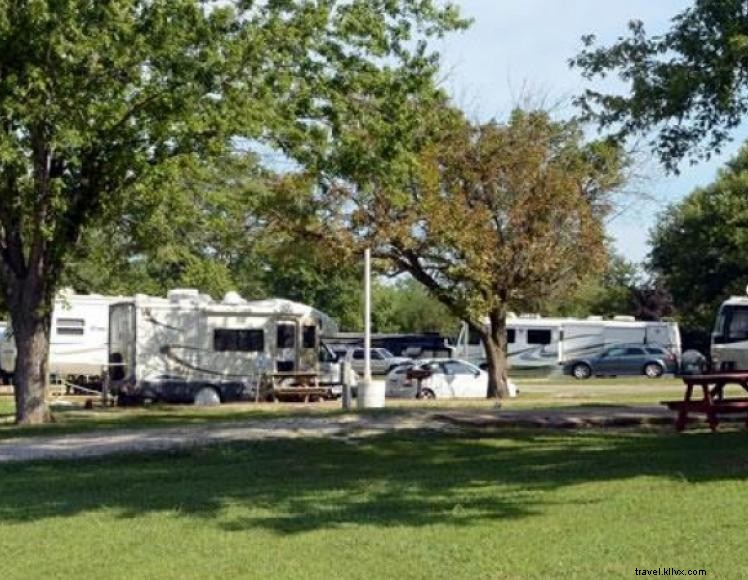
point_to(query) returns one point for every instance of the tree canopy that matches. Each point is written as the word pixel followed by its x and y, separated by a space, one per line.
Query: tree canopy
pixel 700 245
pixel 490 217
pixel 99 99
pixel 688 85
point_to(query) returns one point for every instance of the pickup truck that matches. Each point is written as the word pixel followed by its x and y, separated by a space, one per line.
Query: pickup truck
pixel 382 360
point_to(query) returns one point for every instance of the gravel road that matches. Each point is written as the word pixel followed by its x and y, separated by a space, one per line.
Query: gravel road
pixel 99 443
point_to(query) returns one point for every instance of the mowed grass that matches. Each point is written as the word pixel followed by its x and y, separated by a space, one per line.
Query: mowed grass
pixel 534 394
pixel 518 504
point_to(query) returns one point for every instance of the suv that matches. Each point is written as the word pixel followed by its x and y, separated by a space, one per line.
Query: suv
pixel 382 360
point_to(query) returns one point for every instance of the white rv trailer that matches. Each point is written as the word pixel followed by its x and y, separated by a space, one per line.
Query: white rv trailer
pixel 729 348
pixel 78 339
pixel 543 344
pixel 187 347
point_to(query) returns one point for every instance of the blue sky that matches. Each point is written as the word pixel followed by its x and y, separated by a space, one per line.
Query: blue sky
pixel 518 47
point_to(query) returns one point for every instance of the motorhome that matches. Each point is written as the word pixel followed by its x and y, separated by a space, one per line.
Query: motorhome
pixel 729 347
pixel 188 348
pixel 544 344
pixel 415 345
pixel 78 340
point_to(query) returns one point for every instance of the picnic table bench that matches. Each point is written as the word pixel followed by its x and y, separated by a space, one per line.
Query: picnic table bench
pixel 713 402
pixel 297 385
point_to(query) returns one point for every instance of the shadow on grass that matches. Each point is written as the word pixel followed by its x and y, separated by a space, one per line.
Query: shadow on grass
pixel 421 479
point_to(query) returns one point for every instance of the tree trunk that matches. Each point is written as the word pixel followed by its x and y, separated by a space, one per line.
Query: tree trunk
pixel 30 314
pixel 494 343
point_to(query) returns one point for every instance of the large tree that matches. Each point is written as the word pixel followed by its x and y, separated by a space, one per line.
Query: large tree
pixel 688 85
pixel 489 218
pixel 98 96
pixel 700 245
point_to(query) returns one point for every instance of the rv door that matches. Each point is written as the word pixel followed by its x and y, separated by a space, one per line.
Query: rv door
pixel 121 341
pixel 286 339
pixel 311 352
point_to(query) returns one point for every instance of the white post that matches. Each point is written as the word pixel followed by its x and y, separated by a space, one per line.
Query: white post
pixel 369 395
pixel 367 316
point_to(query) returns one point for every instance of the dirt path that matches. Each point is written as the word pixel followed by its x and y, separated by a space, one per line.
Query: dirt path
pixel 100 443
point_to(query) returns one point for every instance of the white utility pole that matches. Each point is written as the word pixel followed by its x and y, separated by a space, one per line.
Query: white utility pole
pixel 370 394
pixel 367 316
pixel 365 386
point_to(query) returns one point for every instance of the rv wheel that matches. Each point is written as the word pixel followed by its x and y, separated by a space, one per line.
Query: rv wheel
pixel 428 394
pixel 208 397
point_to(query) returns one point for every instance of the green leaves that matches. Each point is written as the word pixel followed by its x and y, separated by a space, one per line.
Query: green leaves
pixel 98 98
pixel 687 86
pixel 488 217
pixel 700 245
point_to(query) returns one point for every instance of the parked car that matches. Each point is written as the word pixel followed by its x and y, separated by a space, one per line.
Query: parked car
pixel 624 359
pixel 382 360
pixel 440 379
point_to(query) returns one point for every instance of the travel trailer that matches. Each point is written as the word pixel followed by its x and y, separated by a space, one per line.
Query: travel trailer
pixel 188 348
pixel 78 340
pixel 544 344
pixel 730 336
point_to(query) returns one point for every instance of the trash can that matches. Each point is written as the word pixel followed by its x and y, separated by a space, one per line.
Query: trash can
pixel 370 395
pixel 692 362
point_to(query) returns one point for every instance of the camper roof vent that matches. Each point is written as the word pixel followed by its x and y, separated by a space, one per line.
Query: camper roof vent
pixel 233 298
pixel 182 294
pixel 596 318
pixel 624 318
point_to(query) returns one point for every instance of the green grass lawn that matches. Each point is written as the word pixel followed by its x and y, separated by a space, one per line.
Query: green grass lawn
pixel 519 504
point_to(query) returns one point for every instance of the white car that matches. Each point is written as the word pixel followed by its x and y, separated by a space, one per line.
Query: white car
pixel 446 379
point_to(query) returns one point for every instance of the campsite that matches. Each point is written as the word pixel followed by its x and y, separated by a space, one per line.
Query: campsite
pixel 373 289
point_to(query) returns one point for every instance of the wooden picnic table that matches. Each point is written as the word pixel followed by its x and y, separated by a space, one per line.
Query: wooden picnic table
pixel 713 402
pixel 299 385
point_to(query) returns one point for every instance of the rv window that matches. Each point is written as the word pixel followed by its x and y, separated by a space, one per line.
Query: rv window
pixel 247 340
pixel 285 336
pixel 538 337
pixel 738 324
pixel 310 336
pixel 473 337
pixel 510 334
pixel 75 326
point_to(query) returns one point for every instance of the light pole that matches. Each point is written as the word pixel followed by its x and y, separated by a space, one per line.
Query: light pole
pixel 369 395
